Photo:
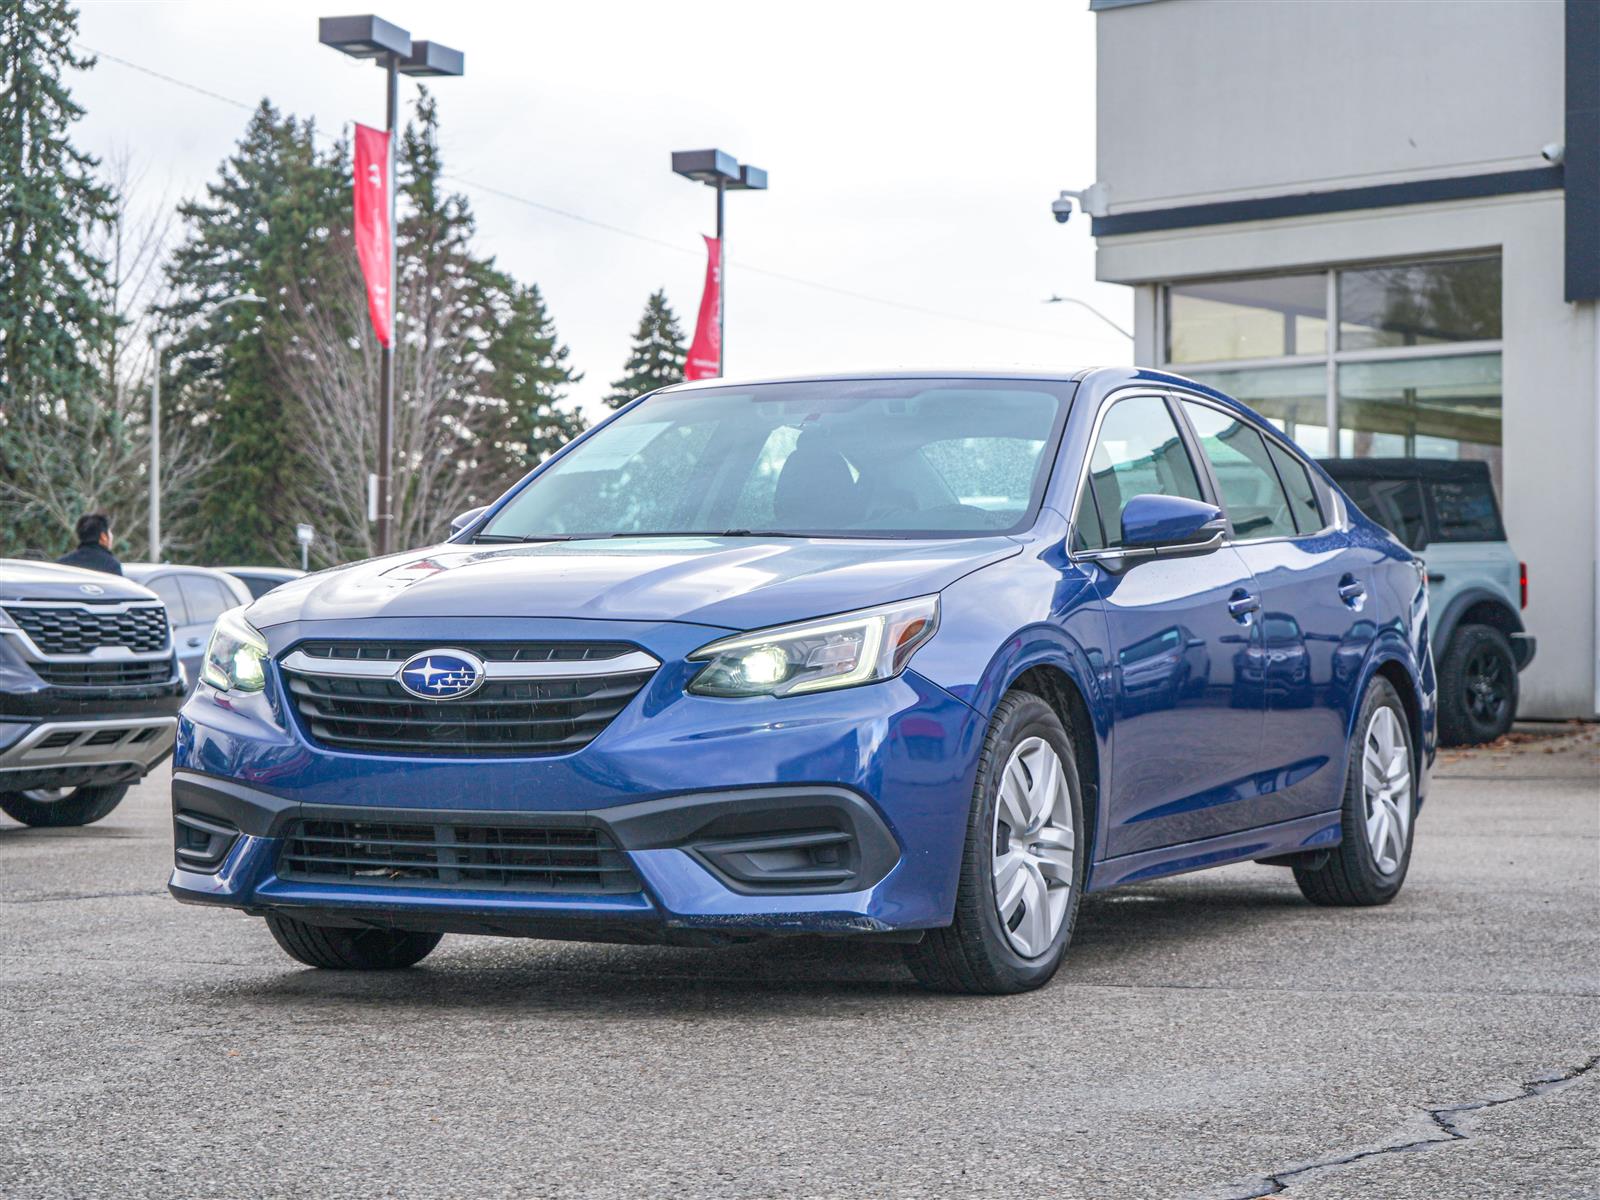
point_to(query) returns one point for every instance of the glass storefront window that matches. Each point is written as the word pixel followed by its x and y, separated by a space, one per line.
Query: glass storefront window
pixel 1422 408
pixel 1272 316
pixel 1420 304
pixel 1394 396
pixel 1295 399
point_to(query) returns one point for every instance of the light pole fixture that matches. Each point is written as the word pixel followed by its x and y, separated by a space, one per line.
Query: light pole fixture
pixel 155 420
pixel 1084 304
pixel 392 49
pixel 720 170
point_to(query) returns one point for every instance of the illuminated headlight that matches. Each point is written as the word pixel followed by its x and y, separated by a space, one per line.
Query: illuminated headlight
pixel 815 656
pixel 236 654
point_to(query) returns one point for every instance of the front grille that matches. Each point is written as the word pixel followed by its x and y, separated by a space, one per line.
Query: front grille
pixel 75 629
pixel 104 674
pixel 504 717
pixel 507 858
pixel 488 651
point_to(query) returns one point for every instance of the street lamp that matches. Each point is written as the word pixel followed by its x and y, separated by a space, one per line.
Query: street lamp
pixel 155 421
pixel 1091 308
pixel 722 171
pixel 391 48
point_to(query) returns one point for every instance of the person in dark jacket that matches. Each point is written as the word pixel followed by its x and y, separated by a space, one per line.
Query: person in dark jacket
pixel 94 546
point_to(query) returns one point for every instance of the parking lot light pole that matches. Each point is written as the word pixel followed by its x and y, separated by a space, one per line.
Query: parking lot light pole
pixel 720 170
pixel 155 421
pixel 394 51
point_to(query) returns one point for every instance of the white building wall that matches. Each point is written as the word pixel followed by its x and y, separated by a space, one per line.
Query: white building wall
pixel 1203 100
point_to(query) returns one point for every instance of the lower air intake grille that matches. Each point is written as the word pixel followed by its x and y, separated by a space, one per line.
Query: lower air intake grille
pixel 500 858
pixel 104 674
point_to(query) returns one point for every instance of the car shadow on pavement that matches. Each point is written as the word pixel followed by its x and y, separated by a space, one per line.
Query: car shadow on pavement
pixel 1126 931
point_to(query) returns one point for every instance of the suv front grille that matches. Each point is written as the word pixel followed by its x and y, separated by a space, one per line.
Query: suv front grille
pixel 449 854
pixel 104 674
pixel 547 713
pixel 78 629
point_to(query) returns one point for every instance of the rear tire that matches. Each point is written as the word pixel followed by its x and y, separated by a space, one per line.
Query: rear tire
pixel 77 806
pixel 338 949
pixel 1042 852
pixel 1477 686
pixel 1369 864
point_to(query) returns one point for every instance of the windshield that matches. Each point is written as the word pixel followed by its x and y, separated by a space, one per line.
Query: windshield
pixel 862 458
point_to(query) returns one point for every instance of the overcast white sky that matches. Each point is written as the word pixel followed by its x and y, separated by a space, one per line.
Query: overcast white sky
pixel 913 151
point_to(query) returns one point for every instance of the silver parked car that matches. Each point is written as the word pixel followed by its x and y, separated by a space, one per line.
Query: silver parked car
pixel 195 597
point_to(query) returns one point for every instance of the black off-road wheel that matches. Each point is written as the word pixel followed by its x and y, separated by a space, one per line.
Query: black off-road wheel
pixel 338 949
pixel 1022 866
pixel 56 807
pixel 1477 686
pixel 1369 865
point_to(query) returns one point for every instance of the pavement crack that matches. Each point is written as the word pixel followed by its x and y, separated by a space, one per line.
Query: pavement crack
pixel 61 896
pixel 1447 1122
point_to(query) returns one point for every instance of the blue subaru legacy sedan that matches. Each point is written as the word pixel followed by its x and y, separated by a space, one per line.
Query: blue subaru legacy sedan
pixel 916 657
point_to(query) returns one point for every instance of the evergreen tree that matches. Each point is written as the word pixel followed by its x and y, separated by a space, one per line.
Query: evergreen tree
pixel 264 225
pixel 54 316
pixel 658 353
pixel 528 374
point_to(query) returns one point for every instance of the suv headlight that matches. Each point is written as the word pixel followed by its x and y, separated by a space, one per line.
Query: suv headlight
pixel 235 655
pixel 814 656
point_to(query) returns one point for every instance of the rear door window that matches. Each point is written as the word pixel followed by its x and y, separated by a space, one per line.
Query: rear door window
pixel 1246 479
pixel 166 586
pixel 206 598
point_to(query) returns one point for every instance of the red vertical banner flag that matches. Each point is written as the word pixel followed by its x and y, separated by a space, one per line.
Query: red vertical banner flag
pixel 705 352
pixel 372 226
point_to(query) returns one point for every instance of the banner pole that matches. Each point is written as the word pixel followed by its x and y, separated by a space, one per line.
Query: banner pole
pixel 386 365
pixel 722 285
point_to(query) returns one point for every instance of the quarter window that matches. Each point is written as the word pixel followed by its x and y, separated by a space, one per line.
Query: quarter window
pixel 1137 451
pixel 1297 486
pixel 1246 479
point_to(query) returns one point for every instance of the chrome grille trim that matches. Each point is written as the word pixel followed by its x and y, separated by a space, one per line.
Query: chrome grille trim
pixel 365 668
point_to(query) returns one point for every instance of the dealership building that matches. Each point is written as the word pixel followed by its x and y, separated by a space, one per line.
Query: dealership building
pixel 1379 224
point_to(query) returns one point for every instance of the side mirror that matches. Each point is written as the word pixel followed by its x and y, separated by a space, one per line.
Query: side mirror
pixel 1161 523
pixel 1161 527
pixel 462 520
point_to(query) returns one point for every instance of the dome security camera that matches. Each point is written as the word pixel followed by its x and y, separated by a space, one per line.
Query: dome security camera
pixel 1553 152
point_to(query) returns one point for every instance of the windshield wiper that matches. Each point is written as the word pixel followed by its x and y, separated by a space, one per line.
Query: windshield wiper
pixel 703 533
pixel 518 537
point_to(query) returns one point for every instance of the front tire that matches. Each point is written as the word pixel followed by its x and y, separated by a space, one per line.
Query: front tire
pixel 1369 865
pixel 337 949
pixel 48 808
pixel 1477 686
pixel 1022 866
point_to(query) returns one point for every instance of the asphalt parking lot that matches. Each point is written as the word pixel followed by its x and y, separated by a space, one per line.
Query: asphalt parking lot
pixel 1210 1036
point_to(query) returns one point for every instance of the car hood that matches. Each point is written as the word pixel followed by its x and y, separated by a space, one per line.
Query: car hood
pixel 732 583
pixel 26 579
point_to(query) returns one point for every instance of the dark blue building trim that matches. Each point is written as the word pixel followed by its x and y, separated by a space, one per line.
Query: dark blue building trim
pixel 1582 159
pixel 1306 204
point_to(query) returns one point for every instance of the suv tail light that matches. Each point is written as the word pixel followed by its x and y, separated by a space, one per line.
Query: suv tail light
pixel 1522 577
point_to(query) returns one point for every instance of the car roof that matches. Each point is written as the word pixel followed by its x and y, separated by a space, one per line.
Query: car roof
pixel 1071 375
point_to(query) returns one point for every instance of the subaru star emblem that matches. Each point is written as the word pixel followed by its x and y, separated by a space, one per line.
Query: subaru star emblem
pixel 91 589
pixel 442 674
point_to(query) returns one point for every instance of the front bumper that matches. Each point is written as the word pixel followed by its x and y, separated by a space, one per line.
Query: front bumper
pixel 839 812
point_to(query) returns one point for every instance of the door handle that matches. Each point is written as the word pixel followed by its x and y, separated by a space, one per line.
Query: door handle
pixel 1352 591
pixel 1241 604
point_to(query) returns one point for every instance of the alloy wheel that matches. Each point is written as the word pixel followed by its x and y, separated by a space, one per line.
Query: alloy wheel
pixel 47 795
pixel 1486 685
pixel 1386 784
pixel 1033 847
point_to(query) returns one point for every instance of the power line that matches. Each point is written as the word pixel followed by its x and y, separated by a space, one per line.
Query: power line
pixel 621 231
